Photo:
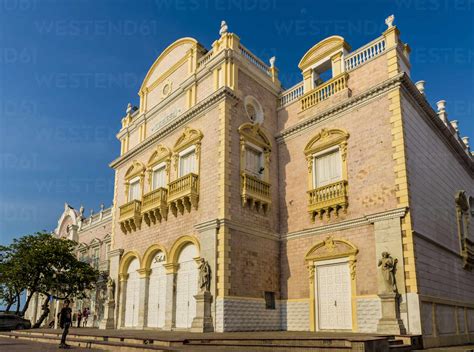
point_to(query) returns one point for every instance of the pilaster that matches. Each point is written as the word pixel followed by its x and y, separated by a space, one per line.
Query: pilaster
pixel 144 283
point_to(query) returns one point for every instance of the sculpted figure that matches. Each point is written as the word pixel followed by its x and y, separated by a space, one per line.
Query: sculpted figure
pixel 204 276
pixel 110 289
pixel 388 266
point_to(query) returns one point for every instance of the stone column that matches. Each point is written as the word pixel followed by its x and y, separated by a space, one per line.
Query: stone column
pixel 122 300
pixel 114 264
pixel 108 322
pixel 171 270
pixel 202 322
pixel 143 302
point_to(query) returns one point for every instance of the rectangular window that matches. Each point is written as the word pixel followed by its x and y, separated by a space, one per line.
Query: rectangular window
pixel 327 168
pixel 253 161
pixel 269 300
pixel 96 258
pixel 187 163
pixel 107 250
pixel 134 190
pixel 159 177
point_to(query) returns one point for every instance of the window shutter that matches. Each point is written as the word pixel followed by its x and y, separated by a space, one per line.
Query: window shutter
pixel 253 161
pixel 187 163
pixel 159 178
pixel 328 168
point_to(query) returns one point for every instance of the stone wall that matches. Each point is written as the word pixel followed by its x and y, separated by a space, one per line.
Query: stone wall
pixel 435 174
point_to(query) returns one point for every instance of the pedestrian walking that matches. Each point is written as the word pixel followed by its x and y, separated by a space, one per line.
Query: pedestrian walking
pixel 65 322
pixel 85 316
pixel 79 318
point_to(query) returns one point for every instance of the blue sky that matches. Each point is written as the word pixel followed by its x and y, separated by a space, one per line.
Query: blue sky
pixel 69 68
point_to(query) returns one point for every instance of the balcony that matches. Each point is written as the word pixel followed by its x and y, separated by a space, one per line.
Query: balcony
pixel 255 192
pixel 184 193
pixel 324 91
pixel 130 217
pixel 327 199
pixel 155 206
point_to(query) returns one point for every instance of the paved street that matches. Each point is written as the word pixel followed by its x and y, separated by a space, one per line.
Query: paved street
pixel 14 345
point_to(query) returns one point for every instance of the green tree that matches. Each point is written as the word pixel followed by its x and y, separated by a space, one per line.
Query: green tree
pixel 45 264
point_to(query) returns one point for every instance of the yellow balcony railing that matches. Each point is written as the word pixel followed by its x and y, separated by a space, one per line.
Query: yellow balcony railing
pixel 255 192
pixel 324 91
pixel 328 198
pixel 130 216
pixel 184 193
pixel 155 205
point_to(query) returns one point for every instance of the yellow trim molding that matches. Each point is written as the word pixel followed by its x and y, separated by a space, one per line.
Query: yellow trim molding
pixel 178 246
pixel 126 260
pixel 150 254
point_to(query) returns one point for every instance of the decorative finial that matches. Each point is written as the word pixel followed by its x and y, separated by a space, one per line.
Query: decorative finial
pixel 441 105
pixel 466 141
pixel 224 28
pixel 421 87
pixel 129 109
pixel 389 21
pixel 455 125
pixel 272 61
pixel 92 212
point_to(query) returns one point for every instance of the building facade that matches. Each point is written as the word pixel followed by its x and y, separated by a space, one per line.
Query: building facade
pixel 341 204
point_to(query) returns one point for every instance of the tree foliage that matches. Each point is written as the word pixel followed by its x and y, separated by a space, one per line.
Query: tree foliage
pixel 45 264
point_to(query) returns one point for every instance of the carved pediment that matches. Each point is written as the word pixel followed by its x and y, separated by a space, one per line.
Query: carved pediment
pixel 324 49
pixel 189 137
pixel 331 248
pixel 160 154
pixel 136 169
pixel 326 139
pixel 254 134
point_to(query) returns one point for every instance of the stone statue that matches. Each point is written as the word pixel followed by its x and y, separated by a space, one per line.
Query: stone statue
pixel 389 21
pixel 204 276
pixel 110 289
pixel 81 211
pixel 388 266
pixel 224 28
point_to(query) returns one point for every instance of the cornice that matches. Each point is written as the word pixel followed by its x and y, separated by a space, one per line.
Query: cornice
pixel 431 116
pixel 379 89
pixel 188 115
pixel 347 224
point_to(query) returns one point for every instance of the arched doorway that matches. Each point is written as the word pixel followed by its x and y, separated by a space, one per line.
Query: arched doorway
pixel 186 286
pixel 132 297
pixel 157 292
pixel 332 280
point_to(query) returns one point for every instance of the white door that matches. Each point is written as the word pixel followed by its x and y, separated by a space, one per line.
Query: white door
pixel 186 287
pixel 132 297
pixel 333 292
pixel 157 293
